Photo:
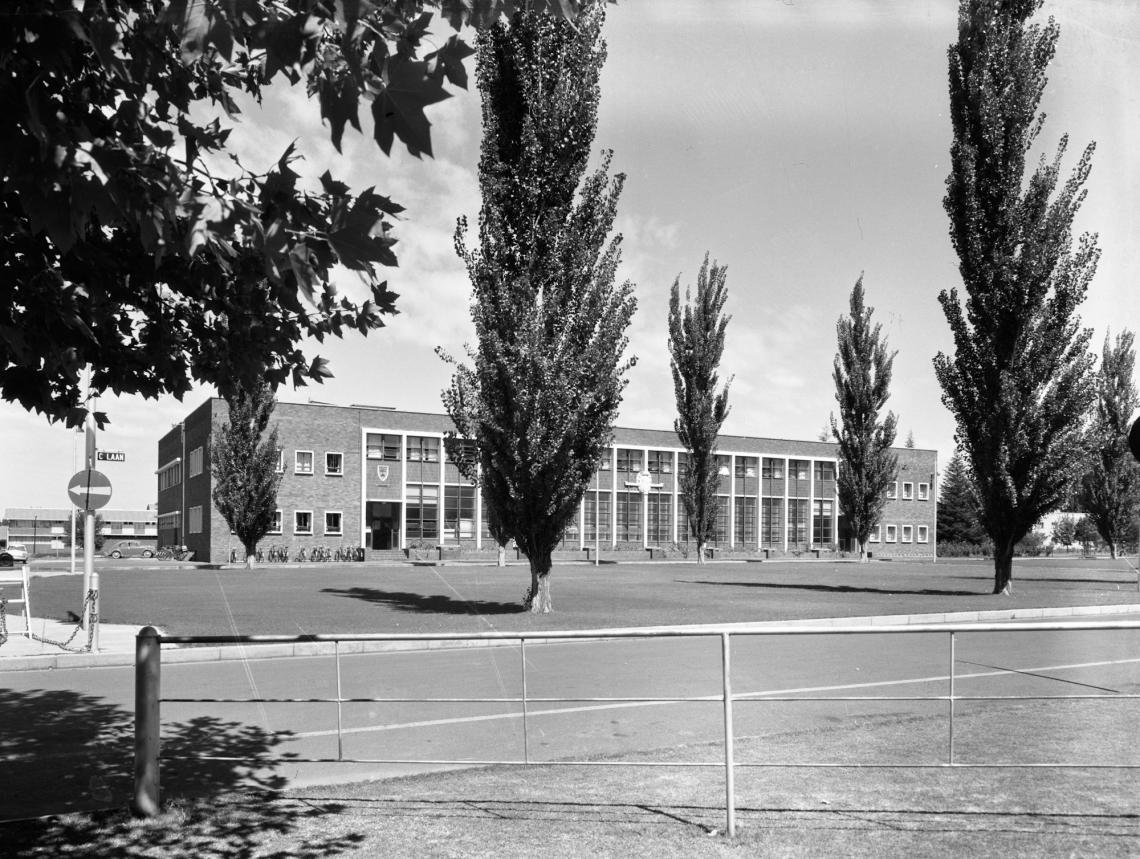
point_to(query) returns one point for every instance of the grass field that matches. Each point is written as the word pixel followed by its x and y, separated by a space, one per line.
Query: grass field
pixel 366 598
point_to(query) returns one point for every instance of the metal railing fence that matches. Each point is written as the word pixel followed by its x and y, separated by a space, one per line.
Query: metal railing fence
pixel 148 679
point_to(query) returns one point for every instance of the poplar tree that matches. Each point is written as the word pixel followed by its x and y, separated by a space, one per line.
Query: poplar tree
pixel 1019 383
pixel 540 396
pixel 862 374
pixel 696 344
pixel 1109 491
pixel 243 462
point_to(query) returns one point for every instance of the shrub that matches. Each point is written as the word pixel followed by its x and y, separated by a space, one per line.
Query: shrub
pixel 1033 545
pixel 964 549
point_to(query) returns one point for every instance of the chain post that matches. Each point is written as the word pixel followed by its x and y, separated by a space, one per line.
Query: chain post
pixel 94 632
pixel 148 677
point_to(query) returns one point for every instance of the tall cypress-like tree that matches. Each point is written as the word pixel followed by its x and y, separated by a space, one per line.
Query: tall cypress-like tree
pixel 541 395
pixel 1019 383
pixel 957 505
pixel 862 374
pixel 243 462
pixel 696 344
pixel 1109 491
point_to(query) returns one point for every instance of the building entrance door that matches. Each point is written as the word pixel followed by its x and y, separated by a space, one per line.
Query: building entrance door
pixel 384 521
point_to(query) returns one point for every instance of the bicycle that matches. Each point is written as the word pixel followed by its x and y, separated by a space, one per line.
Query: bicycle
pixel 301 557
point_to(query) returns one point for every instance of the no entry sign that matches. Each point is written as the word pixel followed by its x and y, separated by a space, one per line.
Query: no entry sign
pixel 89 489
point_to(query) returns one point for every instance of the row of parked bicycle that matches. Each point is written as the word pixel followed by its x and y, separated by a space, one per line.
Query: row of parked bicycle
pixel 315 554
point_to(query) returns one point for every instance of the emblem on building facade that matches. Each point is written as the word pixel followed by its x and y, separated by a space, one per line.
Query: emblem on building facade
pixel 382 473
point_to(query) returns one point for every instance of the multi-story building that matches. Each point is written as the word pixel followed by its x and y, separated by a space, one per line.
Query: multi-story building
pixel 45 530
pixel 381 479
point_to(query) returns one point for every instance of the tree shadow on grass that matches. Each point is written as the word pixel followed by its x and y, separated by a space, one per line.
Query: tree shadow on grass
pixel 426 604
pixel 72 755
pixel 839 589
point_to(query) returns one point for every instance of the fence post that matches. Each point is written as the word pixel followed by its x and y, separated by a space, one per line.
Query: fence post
pixel 729 782
pixel 148 667
pixel 950 754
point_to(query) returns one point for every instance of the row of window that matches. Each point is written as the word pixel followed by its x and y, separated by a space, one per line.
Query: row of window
pixel 770 468
pixel 909 534
pixel 908 491
pixel 170 476
pixel 303 523
pixel 303 462
pixel 802 513
pixel 385 446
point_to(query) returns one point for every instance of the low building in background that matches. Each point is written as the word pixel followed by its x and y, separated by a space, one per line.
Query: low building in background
pixel 47 530
pixel 378 478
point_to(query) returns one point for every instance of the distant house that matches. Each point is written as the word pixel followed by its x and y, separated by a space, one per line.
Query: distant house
pixel 45 530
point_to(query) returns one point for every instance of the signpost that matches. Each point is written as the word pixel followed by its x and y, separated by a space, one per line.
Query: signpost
pixel 89 490
pixel 112 456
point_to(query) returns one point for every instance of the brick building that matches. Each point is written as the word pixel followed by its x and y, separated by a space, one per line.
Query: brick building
pixel 379 478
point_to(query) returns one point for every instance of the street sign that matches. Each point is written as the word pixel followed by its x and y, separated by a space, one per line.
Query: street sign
pixel 111 456
pixel 89 490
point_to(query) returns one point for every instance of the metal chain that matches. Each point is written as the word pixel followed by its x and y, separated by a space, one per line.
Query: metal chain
pixel 93 618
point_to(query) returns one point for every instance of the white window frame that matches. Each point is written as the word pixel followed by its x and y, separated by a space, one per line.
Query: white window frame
pixel 297 531
pixel 195 519
pixel 908 491
pixel 907 535
pixel 923 534
pixel 924 492
pixel 280 460
pixel 195 459
pixel 876 534
pixel 278 522
pixel 339 532
pixel 892 534
pixel 329 453
pixel 297 462
pixel 893 491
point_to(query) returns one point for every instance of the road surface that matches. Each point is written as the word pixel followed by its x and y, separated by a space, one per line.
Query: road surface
pixel 66 737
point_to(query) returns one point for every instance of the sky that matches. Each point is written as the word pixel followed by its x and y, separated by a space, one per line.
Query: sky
pixel 800 143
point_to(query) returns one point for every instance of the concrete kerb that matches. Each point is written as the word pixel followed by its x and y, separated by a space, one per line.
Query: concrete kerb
pixel 122 639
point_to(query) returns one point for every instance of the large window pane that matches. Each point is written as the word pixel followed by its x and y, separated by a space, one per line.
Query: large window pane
pixel 797 523
pixel 423 512
pixel 459 512
pixel 745 524
pixel 595 502
pixel 660 519
pixel 629 517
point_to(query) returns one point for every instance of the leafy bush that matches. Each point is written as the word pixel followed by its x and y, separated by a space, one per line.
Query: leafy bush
pixel 1033 545
pixel 628 546
pixel 964 549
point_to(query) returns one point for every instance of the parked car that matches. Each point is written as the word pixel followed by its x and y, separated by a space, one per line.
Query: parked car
pixel 130 549
pixel 12 554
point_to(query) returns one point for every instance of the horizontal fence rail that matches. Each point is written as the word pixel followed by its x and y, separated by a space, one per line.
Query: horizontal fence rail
pixel 148 700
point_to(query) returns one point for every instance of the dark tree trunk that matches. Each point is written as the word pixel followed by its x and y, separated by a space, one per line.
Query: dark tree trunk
pixel 250 555
pixel 1003 569
pixel 538 598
